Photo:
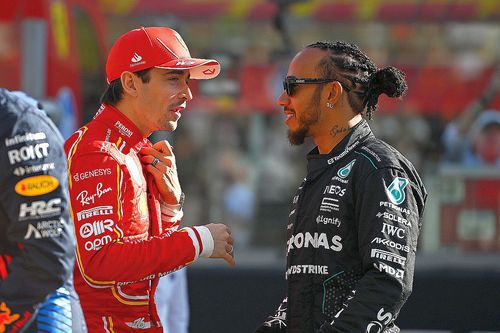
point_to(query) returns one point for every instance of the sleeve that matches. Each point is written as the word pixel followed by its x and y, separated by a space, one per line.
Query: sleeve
pixel 111 222
pixel 277 322
pixel 388 208
pixel 38 251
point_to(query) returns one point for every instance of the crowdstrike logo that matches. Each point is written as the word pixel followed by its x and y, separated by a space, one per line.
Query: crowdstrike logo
pixel 136 58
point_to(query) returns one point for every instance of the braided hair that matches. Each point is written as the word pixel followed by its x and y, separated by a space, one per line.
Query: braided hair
pixel 355 71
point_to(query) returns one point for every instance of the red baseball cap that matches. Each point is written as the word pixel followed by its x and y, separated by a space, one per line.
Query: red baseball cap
pixel 158 47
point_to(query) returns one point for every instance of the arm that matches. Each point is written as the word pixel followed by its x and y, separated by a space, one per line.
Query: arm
pixel 107 209
pixel 38 236
pixel 388 226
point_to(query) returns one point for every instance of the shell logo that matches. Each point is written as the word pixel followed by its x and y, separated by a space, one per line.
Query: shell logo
pixel 36 185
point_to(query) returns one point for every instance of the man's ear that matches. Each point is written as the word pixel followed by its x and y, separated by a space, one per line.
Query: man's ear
pixel 335 92
pixel 129 83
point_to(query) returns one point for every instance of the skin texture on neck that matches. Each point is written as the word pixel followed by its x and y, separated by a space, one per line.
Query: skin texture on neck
pixel 321 110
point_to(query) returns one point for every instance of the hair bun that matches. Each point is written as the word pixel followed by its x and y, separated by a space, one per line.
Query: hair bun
pixel 390 81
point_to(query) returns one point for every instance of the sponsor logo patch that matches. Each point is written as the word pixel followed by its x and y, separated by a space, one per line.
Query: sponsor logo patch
pixel 30 169
pixel 36 185
pixel 345 171
pixel 28 153
pixel 39 209
pixel 96 211
pixel 396 192
pixel 329 205
pixel 316 240
pixel 139 323
pixel 44 229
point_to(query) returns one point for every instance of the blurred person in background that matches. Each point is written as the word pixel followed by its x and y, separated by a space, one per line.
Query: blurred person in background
pixel 36 234
pixel 172 300
pixel 473 139
pixel 125 193
pixel 355 219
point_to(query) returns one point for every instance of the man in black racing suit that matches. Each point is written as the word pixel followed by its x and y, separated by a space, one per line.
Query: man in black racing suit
pixel 355 219
pixel 36 236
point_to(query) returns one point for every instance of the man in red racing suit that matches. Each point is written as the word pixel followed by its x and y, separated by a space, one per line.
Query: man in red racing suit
pixel 125 197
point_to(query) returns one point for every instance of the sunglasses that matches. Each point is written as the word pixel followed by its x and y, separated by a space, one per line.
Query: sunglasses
pixel 290 82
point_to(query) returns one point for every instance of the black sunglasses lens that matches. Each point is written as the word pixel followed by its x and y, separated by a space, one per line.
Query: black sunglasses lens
pixel 288 87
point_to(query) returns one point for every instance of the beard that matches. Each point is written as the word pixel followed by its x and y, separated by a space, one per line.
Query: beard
pixel 308 118
pixel 298 137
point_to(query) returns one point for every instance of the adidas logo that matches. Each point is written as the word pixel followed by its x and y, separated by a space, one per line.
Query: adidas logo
pixel 136 58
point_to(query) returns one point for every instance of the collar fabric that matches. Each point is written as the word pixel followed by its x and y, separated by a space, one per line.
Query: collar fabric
pixel 359 133
pixel 118 122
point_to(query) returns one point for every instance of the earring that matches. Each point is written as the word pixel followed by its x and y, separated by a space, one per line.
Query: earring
pixel 329 105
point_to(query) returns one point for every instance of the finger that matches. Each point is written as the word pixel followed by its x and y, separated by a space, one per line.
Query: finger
pixel 230 240
pixel 148 159
pixel 229 259
pixel 164 147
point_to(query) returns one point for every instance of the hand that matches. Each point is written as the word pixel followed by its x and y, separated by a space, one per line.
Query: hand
pixel 160 163
pixel 223 242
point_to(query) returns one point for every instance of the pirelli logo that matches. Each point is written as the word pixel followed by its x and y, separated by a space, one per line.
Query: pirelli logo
pixel 388 256
pixel 96 211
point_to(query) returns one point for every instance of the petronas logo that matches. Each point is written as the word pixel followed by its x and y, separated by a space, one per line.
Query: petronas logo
pixel 395 191
pixel 345 171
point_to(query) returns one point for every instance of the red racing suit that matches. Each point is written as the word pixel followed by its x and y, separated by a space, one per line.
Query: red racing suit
pixel 126 236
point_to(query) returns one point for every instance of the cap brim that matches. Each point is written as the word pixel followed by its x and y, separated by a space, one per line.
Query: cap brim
pixel 199 69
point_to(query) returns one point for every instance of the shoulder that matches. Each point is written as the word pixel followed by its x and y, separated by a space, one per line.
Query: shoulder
pixel 22 114
pixel 374 154
pixel 85 144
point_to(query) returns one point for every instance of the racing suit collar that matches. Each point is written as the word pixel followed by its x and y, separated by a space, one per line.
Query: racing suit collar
pixel 359 133
pixel 118 122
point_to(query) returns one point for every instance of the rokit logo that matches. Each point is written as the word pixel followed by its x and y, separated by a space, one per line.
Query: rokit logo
pixel 96 211
pixel 37 209
pixel 96 228
pixel 320 219
pixel 377 326
pixel 28 153
pixel 316 240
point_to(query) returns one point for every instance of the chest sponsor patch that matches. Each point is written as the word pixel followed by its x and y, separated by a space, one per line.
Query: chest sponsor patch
pixel 315 240
pixel 36 185
pixel 346 170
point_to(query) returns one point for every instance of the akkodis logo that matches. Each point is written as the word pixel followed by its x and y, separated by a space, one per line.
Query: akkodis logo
pixel 345 171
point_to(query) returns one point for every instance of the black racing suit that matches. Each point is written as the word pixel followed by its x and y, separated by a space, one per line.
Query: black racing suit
pixel 36 233
pixel 352 237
